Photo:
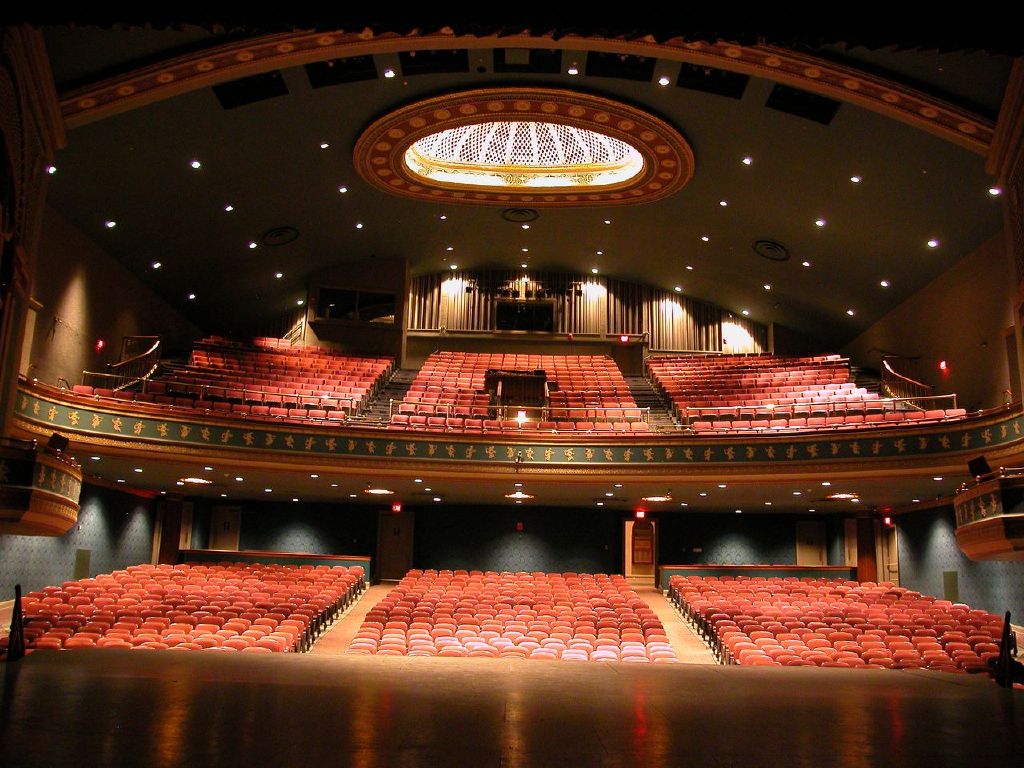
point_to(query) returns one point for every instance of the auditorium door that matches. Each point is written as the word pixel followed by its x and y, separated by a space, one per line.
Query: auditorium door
pixel 394 544
pixel 810 543
pixel 638 560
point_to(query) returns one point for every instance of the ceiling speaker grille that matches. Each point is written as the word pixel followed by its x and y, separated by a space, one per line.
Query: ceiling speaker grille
pixel 772 250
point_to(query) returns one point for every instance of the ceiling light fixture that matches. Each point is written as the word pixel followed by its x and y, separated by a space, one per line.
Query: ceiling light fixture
pixel 343 189
pixel 359 225
pixel 196 164
pixel 389 73
pixel 252 244
pixel 137 469
pixel 373 491
pixel 745 312
pixel 523 265
pixel 819 222
pixel 747 160
pixel 850 312
pixel 51 169
pixel 667 496
pixel 300 302
pixel 191 297
pixel 109 223
pixel 195 481
pixel 842 496
pixel 664 80
pixel 805 264
pixel 437 498
pixel 855 179
pixel 933 243
pixel 678 289
pixel 884 283
pixel 324 145
pixel 767 286
pixel 723 203
pixel 518 495
pixel 157 265
pixel 689 267
pixel 607 221
pixel 705 238
pixel 525 250
pixel 454 266
pixel 573 69
pixel 229 208
pixel 526 226
pixel 994 191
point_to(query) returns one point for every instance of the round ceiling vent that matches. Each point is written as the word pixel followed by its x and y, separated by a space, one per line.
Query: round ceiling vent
pixel 772 250
pixel 519 215
pixel 276 236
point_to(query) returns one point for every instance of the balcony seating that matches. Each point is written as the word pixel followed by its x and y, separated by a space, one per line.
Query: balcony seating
pixel 191 607
pixel 737 394
pixel 835 623
pixel 536 616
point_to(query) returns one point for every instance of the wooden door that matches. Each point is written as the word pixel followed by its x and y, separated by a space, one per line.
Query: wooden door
pixel 394 544
pixel 225 527
pixel 810 543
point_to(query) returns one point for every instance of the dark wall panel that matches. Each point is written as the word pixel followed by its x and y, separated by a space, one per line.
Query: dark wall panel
pixel 928 549
pixel 552 540
pixel 323 529
pixel 727 539
pixel 116 530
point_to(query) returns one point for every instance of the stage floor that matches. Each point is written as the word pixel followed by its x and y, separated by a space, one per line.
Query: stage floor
pixel 128 708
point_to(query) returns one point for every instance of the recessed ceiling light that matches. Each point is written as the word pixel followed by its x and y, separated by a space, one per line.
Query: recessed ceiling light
pixel 94 458
pixel 618 485
pixel 703 493
pixel 525 250
pixel 454 266
pixel 843 496
pixel 352 496
pixel 137 469
pixel 191 297
pixel 229 208
pixel 109 223
pixel 526 226
pixel 279 275
pixel 324 145
pixel 600 253
pixel 747 160
pixel 819 222
pixel 295 499
pixel 120 480
pixel 797 493
pixel 523 265
pixel 389 73
pixel 573 69
pixel 600 503
pixel 418 480
pixel 678 289
pixel 683 504
pixel 593 270
pixel 359 225
pixel 608 493
pixel 664 80
pixel 196 164
pixel 51 169
pixel 427 490
pixel 705 238
pixel 826 483
pixel 268 490
pixel 375 491
pixel 739 511
pixel 723 485
pixel 850 312
pixel 689 267
pixel 767 503
pixel 933 243
pixel 936 478
pixel 156 265
pixel 239 479
pixel 607 221
pixel 519 501
pixel 343 189
pixel 855 179
pixel 443 217
pixel 300 302
pixel 994 191
pixel 805 263
pixel 723 203
pixel 884 283
pixel 658 497
pixel 518 485
pixel 519 494
pixel 208 469
pixel 334 485
pixel 223 495
pixel 745 312
pixel 252 244
pixel 450 248
pixel 767 286
pixel 915 501
pixel 437 498
pixel 195 481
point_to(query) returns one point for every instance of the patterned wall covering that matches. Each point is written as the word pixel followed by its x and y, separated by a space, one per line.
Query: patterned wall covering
pixel 323 529
pixel 116 527
pixel 729 539
pixel 552 540
pixel 927 545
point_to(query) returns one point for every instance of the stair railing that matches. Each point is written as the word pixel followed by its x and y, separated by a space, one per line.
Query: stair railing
pixel 140 356
pixel 900 385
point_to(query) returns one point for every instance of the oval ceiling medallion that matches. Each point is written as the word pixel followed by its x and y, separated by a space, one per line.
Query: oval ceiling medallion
pixel 529 146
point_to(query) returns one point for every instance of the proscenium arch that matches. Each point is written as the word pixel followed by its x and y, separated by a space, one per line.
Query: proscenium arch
pixel 242 58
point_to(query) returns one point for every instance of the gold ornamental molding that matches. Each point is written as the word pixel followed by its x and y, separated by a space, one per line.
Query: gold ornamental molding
pixel 380 152
pixel 230 61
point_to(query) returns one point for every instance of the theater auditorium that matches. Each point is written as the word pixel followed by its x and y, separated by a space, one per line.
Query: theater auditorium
pixel 511 389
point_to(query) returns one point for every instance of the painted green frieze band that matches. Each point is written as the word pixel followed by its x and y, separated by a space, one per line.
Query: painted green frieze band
pixel 865 445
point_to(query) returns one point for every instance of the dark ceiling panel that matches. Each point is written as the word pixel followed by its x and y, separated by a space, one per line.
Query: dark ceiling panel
pixel 337 71
pixel 711 80
pixel 809 106
pixel 624 66
pixel 434 62
pixel 249 90
pixel 536 60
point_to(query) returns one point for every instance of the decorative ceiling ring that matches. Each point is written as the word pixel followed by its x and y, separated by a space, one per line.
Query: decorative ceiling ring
pixel 530 146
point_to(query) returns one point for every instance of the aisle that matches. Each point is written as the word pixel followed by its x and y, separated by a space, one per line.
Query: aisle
pixel 688 647
pixel 335 640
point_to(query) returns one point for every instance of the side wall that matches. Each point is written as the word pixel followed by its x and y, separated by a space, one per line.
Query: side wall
pixel 959 317
pixel 928 549
pixel 86 294
pixel 116 528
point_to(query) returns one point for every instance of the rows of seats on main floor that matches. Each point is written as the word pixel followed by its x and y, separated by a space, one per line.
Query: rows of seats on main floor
pixel 588 393
pixel 227 606
pixel 540 616
pixel 298 383
pixel 736 394
pixel 835 623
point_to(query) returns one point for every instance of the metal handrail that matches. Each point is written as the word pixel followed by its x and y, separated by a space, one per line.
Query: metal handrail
pixel 890 404
pixel 530 413
pixel 896 384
